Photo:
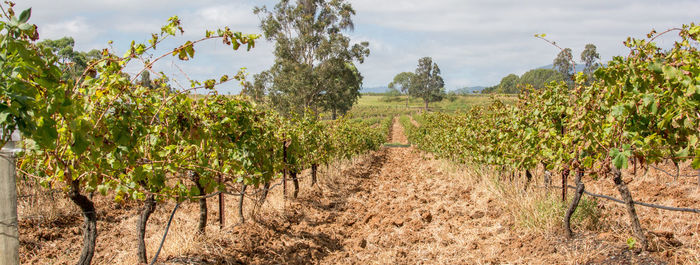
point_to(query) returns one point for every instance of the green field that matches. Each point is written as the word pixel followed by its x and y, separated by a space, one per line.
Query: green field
pixel 378 105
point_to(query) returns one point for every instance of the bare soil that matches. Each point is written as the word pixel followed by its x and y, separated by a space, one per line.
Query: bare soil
pixel 392 206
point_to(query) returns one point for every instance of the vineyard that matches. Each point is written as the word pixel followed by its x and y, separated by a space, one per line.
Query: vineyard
pixel 115 172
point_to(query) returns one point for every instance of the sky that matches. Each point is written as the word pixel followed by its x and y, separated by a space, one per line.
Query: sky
pixel 475 43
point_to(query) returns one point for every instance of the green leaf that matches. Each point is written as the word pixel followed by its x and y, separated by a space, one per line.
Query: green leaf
pixel 79 143
pixel 24 16
pixel 194 191
pixel 656 67
pixel 683 152
pixel 25 26
pixel 631 242
pixel 189 49
pixel 619 158
pixel 618 111
pixel 694 30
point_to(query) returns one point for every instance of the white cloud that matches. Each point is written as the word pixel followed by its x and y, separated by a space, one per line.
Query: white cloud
pixel 474 42
pixel 78 28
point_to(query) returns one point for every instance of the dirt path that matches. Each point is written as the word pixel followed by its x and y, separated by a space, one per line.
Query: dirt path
pixel 395 206
pixel 402 215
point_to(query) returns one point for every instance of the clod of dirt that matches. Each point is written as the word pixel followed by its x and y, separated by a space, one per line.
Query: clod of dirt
pixel 363 243
pixel 661 241
pixel 398 222
pixel 477 215
pixel 426 217
pixel 349 222
pixel 368 217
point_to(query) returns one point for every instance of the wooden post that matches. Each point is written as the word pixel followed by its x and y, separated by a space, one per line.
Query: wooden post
pixel 9 233
pixel 284 171
pixel 222 221
pixel 564 178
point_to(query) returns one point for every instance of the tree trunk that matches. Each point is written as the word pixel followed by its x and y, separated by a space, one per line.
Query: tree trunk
pixel 574 203
pixel 202 228
pixel 629 204
pixel 240 204
pixel 89 224
pixel 335 114
pixel 202 206
pixel 266 189
pixel 678 170
pixel 426 105
pixel 408 98
pixel 528 178
pixel 293 174
pixel 149 206
pixel 547 177
pixel 564 180
pixel 314 171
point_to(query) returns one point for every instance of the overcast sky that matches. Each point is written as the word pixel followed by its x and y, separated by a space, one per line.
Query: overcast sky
pixel 474 42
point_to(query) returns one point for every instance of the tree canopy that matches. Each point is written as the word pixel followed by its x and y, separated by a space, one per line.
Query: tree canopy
pixel 314 60
pixel 589 57
pixel 537 78
pixel 427 82
pixel 564 62
pixel 73 62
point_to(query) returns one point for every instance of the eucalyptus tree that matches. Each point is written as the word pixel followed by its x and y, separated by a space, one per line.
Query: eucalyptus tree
pixel 308 36
pixel 589 56
pixel 402 82
pixel 564 62
pixel 427 82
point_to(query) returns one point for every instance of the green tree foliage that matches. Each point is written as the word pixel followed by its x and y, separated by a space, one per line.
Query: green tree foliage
pixel 539 78
pixel 589 57
pixel 310 46
pixel 146 80
pixel 508 85
pixel 427 82
pixel 73 62
pixel 342 82
pixel 256 90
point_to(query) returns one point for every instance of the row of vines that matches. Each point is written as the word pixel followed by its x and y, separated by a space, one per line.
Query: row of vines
pixel 104 132
pixel 644 108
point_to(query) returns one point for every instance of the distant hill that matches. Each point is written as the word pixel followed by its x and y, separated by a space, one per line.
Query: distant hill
pixel 377 90
pixel 468 90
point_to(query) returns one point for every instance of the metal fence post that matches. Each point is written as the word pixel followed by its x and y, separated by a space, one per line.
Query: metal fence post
pixel 9 233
